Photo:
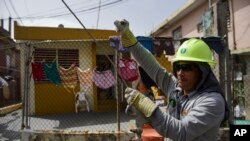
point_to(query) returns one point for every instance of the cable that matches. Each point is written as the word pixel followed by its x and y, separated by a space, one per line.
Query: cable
pixel 118 97
pixel 84 11
pixel 91 37
pixel 14 9
pixel 7 7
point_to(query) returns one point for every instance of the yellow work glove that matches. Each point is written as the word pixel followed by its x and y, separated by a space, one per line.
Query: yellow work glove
pixel 140 102
pixel 127 37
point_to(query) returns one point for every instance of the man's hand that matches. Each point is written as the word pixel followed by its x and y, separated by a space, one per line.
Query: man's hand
pixel 140 102
pixel 128 38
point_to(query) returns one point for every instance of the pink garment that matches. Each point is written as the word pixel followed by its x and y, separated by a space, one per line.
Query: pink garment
pixel 103 79
pixel 85 77
pixel 37 71
pixel 128 70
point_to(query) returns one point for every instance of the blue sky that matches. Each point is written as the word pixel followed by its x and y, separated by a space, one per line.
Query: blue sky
pixel 143 15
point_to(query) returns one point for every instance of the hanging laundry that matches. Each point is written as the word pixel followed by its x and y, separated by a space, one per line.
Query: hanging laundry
pixel 147 42
pixel 115 42
pixel 68 76
pixel 161 44
pixel 37 71
pixel 85 77
pixel 103 79
pixel 51 73
pixel 128 70
pixel 215 43
pixel 182 40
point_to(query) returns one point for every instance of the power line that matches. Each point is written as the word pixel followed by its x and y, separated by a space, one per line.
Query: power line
pixel 63 8
pixel 89 10
pixel 7 7
pixel 14 9
pixel 26 7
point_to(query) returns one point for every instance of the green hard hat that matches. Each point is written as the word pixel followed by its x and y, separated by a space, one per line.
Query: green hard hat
pixel 195 50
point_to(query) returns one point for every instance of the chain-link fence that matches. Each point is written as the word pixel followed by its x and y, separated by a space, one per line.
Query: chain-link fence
pixel 79 86
pixel 240 100
pixel 10 91
pixel 72 85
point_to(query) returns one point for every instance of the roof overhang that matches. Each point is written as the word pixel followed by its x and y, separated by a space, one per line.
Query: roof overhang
pixel 5 36
pixel 56 33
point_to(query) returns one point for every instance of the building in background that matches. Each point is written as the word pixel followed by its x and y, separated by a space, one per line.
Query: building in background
pixel 9 69
pixel 228 20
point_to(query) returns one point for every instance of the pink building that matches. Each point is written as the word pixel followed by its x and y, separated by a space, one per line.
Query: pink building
pixel 228 20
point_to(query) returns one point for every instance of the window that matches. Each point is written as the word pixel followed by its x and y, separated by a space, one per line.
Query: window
pixel 62 57
pixel 199 28
pixel 177 33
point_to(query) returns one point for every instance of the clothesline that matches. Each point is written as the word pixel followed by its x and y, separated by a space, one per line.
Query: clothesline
pixel 68 77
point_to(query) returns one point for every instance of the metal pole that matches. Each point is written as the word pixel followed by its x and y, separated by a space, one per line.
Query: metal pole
pixel 24 88
pixel 98 14
pixel 228 78
pixel 27 76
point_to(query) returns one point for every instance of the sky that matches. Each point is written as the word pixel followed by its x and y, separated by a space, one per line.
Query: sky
pixel 143 15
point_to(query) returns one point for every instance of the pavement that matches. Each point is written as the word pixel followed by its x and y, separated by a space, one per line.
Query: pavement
pixel 10 124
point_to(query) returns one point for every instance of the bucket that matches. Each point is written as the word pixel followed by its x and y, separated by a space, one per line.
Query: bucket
pixel 147 42
pixel 150 134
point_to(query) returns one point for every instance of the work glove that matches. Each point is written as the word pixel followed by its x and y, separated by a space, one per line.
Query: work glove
pixel 127 37
pixel 142 103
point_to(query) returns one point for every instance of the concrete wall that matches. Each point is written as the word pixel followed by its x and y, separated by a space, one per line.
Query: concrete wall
pixel 240 12
pixel 188 23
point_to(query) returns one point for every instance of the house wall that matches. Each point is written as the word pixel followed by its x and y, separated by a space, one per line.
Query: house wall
pixel 241 18
pixel 47 98
pixel 188 23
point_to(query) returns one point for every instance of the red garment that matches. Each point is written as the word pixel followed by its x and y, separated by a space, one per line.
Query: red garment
pixel 37 71
pixel 128 70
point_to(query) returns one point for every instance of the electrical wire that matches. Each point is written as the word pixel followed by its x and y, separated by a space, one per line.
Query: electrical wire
pixel 83 11
pixel 7 7
pixel 51 11
pixel 14 9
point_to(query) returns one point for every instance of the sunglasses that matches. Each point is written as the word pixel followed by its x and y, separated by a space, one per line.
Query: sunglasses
pixel 185 67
